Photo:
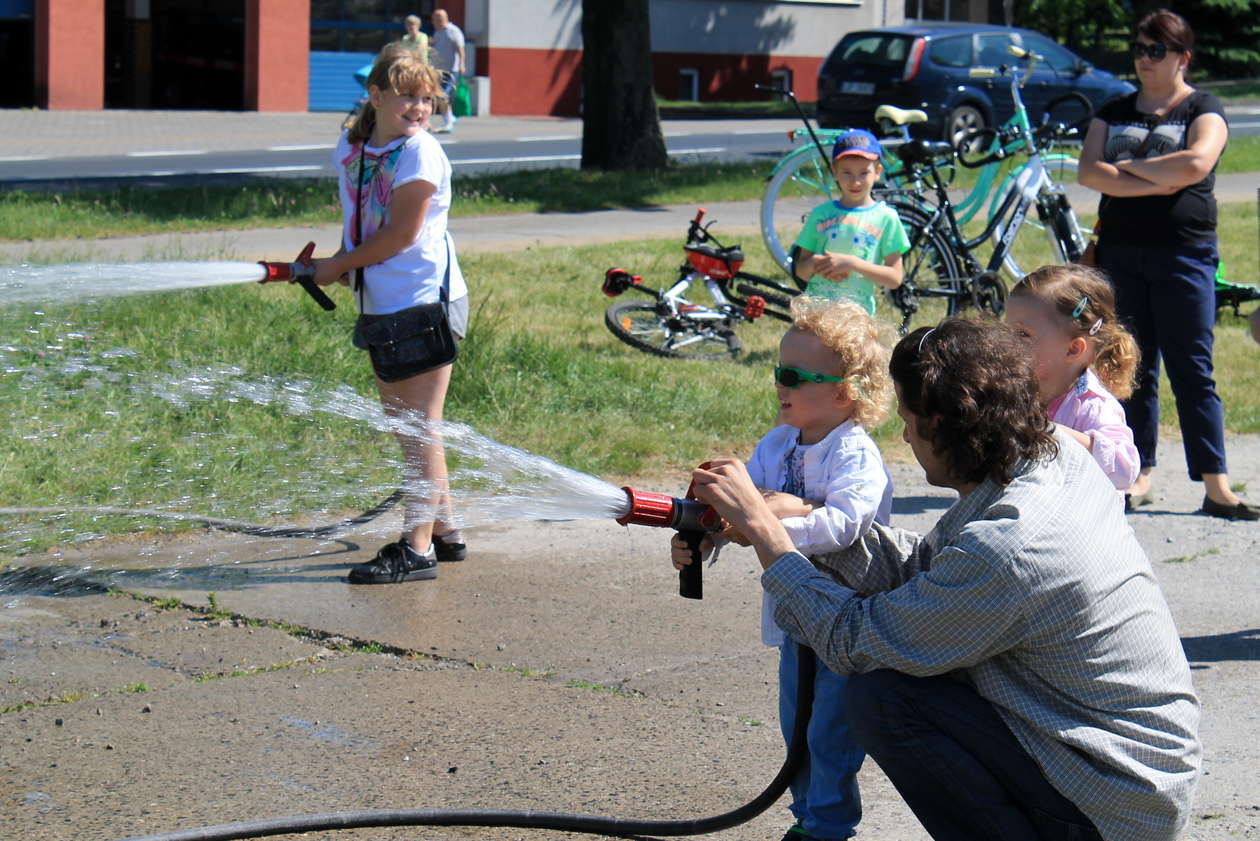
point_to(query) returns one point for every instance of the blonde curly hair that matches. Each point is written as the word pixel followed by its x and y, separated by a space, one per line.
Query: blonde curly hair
pixel 859 343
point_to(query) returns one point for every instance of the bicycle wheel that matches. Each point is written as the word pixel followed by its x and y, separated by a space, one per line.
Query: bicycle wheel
pixel 802 182
pixel 1036 243
pixel 932 285
pixel 651 328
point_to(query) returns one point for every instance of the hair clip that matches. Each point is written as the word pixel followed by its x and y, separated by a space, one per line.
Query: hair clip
pixel 923 340
pixel 1080 306
pixel 1097 326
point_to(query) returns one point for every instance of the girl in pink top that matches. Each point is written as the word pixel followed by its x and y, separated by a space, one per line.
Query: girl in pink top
pixel 1083 358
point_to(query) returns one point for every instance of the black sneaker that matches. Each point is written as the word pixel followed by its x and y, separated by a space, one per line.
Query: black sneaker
pixel 395 562
pixel 1239 511
pixel 445 552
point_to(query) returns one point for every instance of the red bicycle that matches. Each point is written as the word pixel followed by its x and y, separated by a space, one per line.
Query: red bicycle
pixel 673 325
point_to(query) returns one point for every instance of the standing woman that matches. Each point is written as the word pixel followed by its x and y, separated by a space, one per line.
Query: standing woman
pixel 395 187
pixel 1153 156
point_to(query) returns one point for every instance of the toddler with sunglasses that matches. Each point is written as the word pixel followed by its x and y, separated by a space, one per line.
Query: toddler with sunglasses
pixel 824 477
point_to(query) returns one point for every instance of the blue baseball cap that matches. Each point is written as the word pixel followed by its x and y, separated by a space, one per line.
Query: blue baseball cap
pixel 856 141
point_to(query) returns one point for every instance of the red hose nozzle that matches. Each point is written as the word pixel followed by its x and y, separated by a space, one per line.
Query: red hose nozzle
pixel 667 512
pixel 302 271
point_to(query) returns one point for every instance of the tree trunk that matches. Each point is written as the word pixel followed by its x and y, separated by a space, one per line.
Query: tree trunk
pixel 621 128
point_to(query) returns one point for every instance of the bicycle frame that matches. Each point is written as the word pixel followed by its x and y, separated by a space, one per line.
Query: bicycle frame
pixel 1031 185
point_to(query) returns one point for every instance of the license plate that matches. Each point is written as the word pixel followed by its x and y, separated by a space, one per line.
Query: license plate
pixel 864 88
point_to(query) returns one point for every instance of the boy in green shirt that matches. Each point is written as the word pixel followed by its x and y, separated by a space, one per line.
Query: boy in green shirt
pixel 852 243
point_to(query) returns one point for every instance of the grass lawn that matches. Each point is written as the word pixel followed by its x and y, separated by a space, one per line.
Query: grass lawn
pixel 186 400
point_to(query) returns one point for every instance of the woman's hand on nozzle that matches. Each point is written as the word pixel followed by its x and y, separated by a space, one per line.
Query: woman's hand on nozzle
pixel 680 552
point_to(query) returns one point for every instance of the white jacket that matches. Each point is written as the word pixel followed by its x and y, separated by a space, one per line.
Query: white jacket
pixel 845 472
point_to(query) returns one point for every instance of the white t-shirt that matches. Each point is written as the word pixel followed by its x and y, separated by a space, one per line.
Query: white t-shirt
pixel 413 275
pixel 844 471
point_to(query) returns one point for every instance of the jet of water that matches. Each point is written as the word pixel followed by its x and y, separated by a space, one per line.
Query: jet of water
pixel 71 282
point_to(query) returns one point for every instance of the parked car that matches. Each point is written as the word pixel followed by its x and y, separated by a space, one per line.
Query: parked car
pixel 928 66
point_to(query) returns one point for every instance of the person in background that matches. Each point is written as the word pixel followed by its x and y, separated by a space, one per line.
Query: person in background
pixel 448 56
pixel 415 40
pixel 851 246
pixel 1153 156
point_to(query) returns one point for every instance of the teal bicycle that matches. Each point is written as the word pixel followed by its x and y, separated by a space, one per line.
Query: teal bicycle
pixel 802 179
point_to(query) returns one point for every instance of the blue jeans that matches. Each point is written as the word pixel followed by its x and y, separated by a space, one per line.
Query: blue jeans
pixel 825 795
pixel 956 764
pixel 1167 297
pixel 450 81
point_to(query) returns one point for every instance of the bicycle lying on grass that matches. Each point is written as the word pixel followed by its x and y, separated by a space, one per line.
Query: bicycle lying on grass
pixel 673 325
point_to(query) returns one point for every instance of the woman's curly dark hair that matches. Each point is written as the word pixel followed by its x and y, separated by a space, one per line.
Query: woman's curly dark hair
pixel 972 385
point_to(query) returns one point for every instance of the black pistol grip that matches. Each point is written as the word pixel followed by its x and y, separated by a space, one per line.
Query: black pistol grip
pixel 691 577
pixel 312 289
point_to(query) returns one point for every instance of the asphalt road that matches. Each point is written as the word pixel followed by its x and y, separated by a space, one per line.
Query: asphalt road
pixel 475 153
pixel 302 146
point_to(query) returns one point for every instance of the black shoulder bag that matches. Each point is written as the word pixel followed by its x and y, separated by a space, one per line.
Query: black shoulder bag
pixel 408 342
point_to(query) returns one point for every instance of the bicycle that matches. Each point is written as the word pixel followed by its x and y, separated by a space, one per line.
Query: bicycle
pixel 672 325
pixel 942 262
pixel 802 178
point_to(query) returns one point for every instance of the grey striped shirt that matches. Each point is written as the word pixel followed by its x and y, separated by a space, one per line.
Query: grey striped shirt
pixel 1040 594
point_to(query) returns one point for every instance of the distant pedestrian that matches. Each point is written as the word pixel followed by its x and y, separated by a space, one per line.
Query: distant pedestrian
pixel 448 56
pixel 415 40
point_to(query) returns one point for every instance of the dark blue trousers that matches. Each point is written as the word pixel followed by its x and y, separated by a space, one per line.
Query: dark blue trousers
pixel 1167 297
pixel 956 764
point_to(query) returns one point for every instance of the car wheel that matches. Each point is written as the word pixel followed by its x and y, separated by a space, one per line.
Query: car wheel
pixel 961 120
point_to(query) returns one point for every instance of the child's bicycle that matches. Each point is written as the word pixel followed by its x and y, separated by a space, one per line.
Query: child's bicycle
pixel 672 325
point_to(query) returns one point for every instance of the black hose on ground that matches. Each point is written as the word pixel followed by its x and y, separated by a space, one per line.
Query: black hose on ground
pixel 219 523
pixel 528 819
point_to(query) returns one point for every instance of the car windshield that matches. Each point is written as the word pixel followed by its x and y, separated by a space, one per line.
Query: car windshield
pixel 872 49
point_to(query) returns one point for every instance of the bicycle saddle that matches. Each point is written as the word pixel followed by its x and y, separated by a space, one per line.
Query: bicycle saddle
pixel 922 151
pixel 900 116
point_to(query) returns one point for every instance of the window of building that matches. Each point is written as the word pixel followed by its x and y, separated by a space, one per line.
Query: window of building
pixel 781 79
pixel 362 25
pixel 689 84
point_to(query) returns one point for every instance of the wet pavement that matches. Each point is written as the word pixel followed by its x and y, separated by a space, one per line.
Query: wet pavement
pixel 223 678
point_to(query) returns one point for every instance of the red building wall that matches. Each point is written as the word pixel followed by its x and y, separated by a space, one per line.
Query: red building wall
pixel 70 54
pixel 277 64
pixel 526 81
pixel 727 78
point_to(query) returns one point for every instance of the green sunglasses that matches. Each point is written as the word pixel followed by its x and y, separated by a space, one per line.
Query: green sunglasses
pixel 789 377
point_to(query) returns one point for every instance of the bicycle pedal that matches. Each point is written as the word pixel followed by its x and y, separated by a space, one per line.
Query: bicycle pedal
pixel 755 308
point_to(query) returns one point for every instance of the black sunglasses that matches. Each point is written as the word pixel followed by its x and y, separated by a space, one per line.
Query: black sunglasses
pixel 789 377
pixel 1155 52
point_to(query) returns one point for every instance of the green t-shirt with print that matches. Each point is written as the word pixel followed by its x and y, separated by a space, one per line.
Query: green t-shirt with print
pixel 871 233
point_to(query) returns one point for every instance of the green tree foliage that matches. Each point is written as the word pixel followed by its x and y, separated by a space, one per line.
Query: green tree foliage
pixel 1227 32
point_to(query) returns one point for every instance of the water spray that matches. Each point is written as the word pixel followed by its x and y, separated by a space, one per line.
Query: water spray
pixel 301 271
pixel 690 517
